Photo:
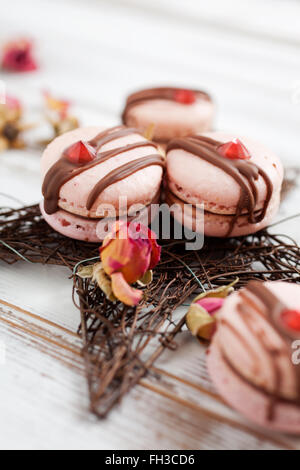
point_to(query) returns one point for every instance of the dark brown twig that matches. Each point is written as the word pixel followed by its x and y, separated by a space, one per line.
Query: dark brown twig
pixel 120 344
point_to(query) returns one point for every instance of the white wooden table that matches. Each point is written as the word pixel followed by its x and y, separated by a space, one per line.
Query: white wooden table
pixel 247 55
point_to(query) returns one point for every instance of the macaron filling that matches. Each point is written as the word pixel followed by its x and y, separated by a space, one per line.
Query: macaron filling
pixel 90 229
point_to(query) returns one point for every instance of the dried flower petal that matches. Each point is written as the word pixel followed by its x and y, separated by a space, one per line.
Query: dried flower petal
pixel 85 272
pixel 126 257
pixel 155 249
pixel 146 279
pixel 97 274
pixel 18 56
pixel 3 144
pixel 11 110
pixel 12 103
pixel 57 111
pixel 200 323
pixel 201 316
pixel 210 304
pixel 10 131
pixel 103 281
pixel 124 292
pixel 55 104
pixel 67 124
pixel 219 292
pixel 11 126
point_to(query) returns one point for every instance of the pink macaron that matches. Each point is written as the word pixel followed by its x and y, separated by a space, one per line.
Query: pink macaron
pixel 92 177
pixel 231 183
pixel 169 112
pixel 254 358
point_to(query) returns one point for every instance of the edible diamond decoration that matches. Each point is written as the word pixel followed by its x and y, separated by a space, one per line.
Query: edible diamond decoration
pixel 234 150
pixel 185 96
pixel 80 153
pixel 291 319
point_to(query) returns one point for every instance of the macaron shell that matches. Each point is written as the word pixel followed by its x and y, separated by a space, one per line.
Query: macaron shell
pixel 214 225
pixel 259 370
pixel 140 187
pixel 72 226
pixel 85 229
pixel 196 181
pixel 172 119
pixel 247 400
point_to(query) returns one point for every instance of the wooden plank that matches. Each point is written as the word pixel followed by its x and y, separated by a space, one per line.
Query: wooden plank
pixel 62 345
pixel 37 288
pixel 51 362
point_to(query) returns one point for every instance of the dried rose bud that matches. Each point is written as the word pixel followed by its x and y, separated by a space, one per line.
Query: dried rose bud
pixel 127 254
pixel 201 316
pixel 18 56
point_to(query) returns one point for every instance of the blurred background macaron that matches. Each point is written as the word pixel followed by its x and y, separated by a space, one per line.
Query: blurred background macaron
pixel 169 112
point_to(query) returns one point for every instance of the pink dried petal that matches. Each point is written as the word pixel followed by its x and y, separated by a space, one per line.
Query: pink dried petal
pixel 17 57
pixel 210 304
pixel 124 292
pixel 155 249
pixel 12 103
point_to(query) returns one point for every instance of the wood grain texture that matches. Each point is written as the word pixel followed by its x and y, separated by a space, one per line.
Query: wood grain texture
pixel 51 364
pixel 94 53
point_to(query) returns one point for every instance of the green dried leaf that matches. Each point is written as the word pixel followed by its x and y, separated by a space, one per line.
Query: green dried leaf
pixel 103 281
pixel 199 322
pixel 85 272
pixel 146 279
pixel 220 292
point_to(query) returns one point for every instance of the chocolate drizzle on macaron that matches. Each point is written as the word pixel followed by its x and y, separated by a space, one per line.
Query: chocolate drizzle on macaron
pixel 243 171
pixel 65 169
pixel 162 93
pixel 258 298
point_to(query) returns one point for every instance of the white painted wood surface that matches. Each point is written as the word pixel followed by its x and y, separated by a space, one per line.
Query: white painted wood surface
pixel 247 55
